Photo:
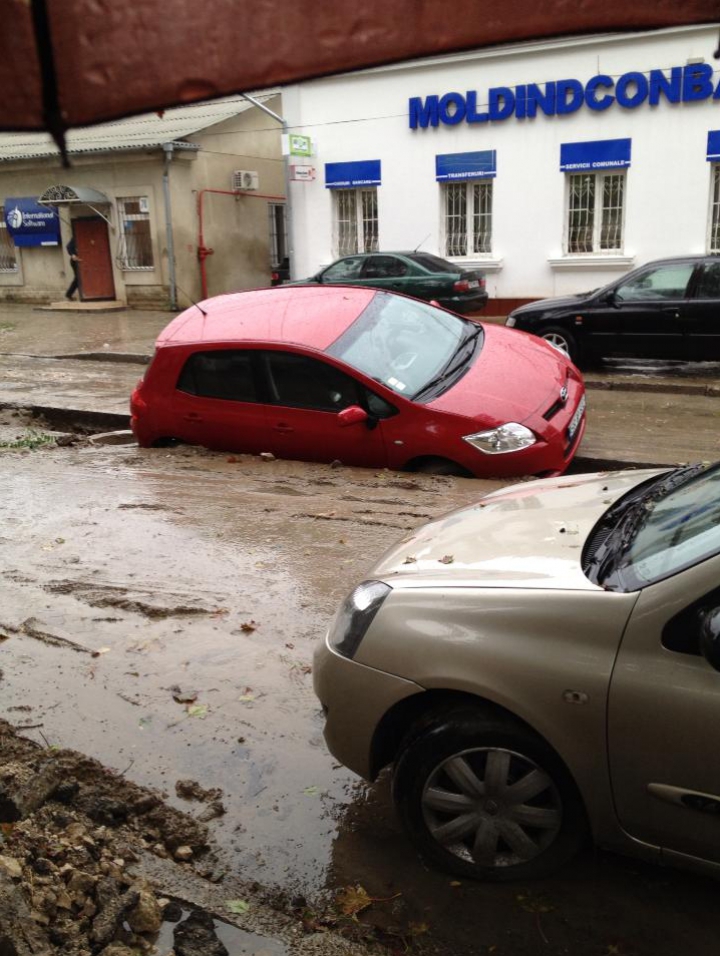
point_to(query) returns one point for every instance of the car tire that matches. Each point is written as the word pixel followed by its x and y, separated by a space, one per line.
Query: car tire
pixel 441 466
pixel 562 340
pixel 451 788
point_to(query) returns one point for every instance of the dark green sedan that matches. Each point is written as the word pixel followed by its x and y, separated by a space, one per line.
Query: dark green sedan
pixel 418 274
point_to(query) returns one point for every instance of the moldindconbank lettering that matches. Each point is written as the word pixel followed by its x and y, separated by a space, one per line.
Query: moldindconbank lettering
pixel 684 84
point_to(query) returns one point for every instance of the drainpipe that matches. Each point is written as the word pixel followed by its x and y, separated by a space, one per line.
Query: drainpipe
pixel 203 252
pixel 168 149
pixel 286 163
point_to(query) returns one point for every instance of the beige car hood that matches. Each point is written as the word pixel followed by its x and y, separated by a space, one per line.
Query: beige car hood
pixel 529 535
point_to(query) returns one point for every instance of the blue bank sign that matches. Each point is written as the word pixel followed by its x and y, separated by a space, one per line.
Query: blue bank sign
pixel 31 224
pixel 681 84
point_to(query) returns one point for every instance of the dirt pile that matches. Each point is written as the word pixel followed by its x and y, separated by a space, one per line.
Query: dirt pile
pixel 69 831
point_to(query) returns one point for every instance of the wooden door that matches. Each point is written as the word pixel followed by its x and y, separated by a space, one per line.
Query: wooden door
pixel 93 249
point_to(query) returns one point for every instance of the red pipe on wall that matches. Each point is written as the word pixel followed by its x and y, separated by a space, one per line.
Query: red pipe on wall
pixel 203 252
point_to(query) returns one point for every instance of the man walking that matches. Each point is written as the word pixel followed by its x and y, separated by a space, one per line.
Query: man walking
pixel 74 259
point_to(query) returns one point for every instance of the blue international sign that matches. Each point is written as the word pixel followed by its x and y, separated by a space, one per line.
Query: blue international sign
pixel 459 166
pixel 681 84
pixel 600 154
pixel 348 175
pixel 713 147
pixel 31 224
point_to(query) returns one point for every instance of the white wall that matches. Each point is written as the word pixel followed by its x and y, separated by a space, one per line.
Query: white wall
pixel 365 116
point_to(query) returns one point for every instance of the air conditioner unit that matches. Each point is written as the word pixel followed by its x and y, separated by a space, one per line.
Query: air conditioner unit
pixel 245 180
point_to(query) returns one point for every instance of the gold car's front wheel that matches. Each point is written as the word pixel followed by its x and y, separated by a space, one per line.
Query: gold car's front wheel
pixel 483 797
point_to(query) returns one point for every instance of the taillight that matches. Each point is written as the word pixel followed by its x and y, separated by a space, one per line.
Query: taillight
pixel 274 276
pixel 481 283
pixel 461 285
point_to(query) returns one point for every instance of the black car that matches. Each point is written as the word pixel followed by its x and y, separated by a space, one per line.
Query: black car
pixel 666 309
pixel 419 274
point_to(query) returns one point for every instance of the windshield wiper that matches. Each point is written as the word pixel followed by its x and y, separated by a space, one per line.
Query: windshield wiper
pixel 629 517
pixel 451 368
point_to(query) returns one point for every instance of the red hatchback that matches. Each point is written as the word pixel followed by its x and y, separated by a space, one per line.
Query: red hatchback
pixel 362 376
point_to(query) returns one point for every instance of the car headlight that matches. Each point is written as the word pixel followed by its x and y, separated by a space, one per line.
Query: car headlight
pixel 503 439
pixel 510 321
pixel 355 616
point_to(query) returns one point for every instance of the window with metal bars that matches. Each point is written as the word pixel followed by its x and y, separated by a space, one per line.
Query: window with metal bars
pixel 8 258
pixel 595 212
pixel 278 234
pixel 356 221
pixel 468 218
pixel 135 250
pixel 714 243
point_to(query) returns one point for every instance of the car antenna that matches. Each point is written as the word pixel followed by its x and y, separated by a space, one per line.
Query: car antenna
pixel 420 243
pixel 204 313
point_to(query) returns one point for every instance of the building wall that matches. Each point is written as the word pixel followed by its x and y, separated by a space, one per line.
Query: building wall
pixel 365 116
pixel 236 228
pixel 44 272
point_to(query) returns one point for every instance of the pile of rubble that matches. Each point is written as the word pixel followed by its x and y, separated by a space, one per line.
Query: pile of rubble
pixel 69 831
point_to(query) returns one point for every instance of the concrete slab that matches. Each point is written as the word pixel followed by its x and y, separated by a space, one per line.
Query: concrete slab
pixel 71 305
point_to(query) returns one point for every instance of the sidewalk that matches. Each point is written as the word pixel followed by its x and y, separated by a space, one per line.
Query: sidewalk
pixel 80 369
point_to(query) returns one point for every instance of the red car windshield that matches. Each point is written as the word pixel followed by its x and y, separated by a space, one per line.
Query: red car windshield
pixel 402 343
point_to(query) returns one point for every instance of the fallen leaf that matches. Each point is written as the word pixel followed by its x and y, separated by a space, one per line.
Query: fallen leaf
pixel 237 906
pixel 246 698
pixel 353 900
pixel 537 904
pixel 455 883
pixel 311 791
pixel 417 929
pixel 198 710
pixel 447 559
pixel 144 722
pixel 410 560
pixel 248 627
pixel 291 646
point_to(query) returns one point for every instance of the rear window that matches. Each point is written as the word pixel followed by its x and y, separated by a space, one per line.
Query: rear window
pixel 225 373
pixel 433 263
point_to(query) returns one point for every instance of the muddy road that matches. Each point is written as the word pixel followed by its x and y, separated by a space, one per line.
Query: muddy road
pixel 159 614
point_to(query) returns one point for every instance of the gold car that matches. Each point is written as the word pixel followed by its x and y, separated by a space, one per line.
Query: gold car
pixel 540 668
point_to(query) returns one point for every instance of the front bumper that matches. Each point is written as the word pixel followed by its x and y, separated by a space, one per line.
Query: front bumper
pixel 355 698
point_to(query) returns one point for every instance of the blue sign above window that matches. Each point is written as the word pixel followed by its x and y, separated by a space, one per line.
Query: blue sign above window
pixel 348 175
pixel 459 166
pixel 31 224
pixel 601 154
pixel 713 150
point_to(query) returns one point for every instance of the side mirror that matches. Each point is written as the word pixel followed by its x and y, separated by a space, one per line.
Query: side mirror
pixel 710 636
pixel 610 298
pixel 352 415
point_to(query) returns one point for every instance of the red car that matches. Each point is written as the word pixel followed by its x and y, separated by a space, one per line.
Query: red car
pixel 362 376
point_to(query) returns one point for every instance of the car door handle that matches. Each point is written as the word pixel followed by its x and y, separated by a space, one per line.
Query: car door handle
pixel 675 313
pixel 283 427
pixel 192 417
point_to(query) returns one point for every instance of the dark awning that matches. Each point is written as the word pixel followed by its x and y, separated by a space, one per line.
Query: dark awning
pixel 67 63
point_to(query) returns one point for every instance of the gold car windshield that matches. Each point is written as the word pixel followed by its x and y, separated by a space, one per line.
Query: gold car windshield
pixel 665 530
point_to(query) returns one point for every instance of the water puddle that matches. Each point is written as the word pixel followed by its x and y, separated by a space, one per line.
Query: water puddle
pixel 203 935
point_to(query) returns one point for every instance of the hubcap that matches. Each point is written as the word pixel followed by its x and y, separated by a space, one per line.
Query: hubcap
pixel 491 807
pixel 557 341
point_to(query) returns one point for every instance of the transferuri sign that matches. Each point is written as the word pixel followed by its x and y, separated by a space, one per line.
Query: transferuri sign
pixel 681 84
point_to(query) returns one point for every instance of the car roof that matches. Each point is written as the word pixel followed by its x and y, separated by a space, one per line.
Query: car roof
pixel 310 316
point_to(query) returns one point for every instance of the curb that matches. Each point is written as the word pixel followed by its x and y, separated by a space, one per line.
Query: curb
pixel 73 418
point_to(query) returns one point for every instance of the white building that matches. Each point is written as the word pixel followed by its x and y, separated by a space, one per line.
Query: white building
pixel 554 166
